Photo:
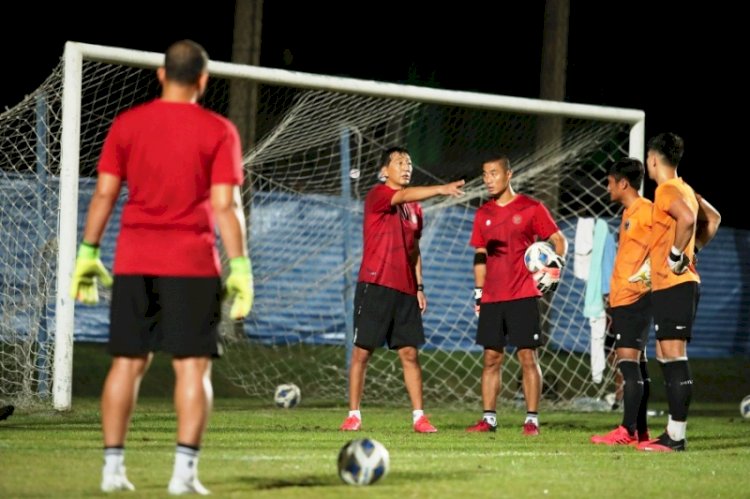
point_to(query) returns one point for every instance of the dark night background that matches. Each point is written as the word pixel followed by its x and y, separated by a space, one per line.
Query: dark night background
pixel 677 62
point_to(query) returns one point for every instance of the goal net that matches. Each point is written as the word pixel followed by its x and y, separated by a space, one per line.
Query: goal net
pixel 309 166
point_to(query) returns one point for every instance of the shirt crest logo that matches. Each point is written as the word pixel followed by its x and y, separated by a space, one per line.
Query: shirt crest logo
pixel 517 219
pixel 487 223
pixel 627 224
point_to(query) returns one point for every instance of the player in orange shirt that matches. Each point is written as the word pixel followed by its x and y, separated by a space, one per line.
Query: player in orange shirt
pixel 630 301
pixel 674 279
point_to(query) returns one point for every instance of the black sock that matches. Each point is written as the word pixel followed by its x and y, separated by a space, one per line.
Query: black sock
pixel 679 388
pixel 632 393
pixel 643 408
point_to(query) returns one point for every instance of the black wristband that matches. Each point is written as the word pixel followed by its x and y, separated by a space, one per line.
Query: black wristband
pixel 420 287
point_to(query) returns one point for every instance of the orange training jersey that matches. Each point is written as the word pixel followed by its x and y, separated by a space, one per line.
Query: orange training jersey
pixel 632 250
pixel 663 231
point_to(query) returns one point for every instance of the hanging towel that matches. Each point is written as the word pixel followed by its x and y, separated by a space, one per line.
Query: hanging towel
pixel 582 247
pixel 598 359
pixel 608 261
pixel 593 305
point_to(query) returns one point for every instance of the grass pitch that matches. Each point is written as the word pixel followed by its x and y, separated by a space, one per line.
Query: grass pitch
pixel 255 450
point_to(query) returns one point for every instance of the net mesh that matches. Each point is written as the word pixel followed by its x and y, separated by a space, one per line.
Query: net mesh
pixel 308 172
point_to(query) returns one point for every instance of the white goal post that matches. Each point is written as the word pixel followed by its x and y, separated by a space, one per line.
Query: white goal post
pixel 318 131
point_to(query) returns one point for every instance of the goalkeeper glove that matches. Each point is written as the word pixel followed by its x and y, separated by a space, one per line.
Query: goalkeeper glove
pixel 89 268
pixel 477 300
pixel 642 274
pixel 240 286
pixel 548 277
pixel 678 261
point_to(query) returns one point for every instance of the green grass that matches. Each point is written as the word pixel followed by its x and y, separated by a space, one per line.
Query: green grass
pixel 253 450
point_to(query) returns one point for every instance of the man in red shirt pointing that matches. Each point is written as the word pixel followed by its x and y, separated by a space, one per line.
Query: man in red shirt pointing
pixel 390 299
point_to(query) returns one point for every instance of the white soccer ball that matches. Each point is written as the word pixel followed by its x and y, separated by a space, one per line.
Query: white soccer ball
pixel 538 255
pixel 363 461
pixel 745 407
pixel 287 395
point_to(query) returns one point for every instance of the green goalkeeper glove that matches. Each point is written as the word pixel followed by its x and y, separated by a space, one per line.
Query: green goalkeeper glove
pixel 240 286
pixel 89 269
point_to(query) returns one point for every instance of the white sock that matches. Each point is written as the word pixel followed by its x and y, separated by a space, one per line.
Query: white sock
pixel 356 413
pixel 185 462
pixel 676 429
pixel 491 418
pixel 532 418
pixel 416 414
pixel 114 458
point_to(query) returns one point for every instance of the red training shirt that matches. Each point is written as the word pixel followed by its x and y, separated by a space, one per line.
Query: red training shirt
pixel 390 234
pixel 170 154
pixel 506 232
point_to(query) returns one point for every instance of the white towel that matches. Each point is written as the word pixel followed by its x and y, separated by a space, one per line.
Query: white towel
pixel 598 359
pixel 583 245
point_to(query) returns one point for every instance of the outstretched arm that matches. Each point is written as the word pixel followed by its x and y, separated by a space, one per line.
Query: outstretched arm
pixel 412 194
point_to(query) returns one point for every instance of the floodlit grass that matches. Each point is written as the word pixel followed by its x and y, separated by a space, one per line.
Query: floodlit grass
pixel 254 450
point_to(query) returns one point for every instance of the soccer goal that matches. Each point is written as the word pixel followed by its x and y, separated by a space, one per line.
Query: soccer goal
pixel 309 165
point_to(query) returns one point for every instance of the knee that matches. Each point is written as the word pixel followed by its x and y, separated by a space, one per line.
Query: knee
pixel 360 356
pixel 527 359
pixel 492 361
pixel 408 355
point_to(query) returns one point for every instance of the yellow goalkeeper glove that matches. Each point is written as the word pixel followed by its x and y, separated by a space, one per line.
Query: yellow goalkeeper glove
pixel 643 274
pixel 89 269
pixel 240 286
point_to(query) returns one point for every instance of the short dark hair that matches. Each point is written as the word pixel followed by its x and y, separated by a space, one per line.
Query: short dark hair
pixel 185 61
pixel 385 158
pixel 630 169
pixel 498 157
pixel 669 145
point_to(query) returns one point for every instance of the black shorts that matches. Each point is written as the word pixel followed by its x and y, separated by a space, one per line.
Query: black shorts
pixel 674 311
pixel 383 315
pixel 177 315
pixel 609 336
pixel 514 322
pixel 631 324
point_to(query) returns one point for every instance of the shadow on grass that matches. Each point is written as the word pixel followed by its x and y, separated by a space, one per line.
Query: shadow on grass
pixel 305 481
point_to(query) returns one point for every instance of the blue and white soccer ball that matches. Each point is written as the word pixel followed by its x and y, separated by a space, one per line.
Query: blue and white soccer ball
pixel 287 395
pixel 745 407
pixel 538 256
pixel 363 461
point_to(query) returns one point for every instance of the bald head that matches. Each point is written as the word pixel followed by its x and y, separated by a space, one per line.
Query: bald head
pixel 184 62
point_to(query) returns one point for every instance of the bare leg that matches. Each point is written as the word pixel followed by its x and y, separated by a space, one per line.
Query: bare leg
pixel 532 378
pixel 491 382
pixel 193 398
pixel 357 369
pixel 120 395
pixel 412 375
